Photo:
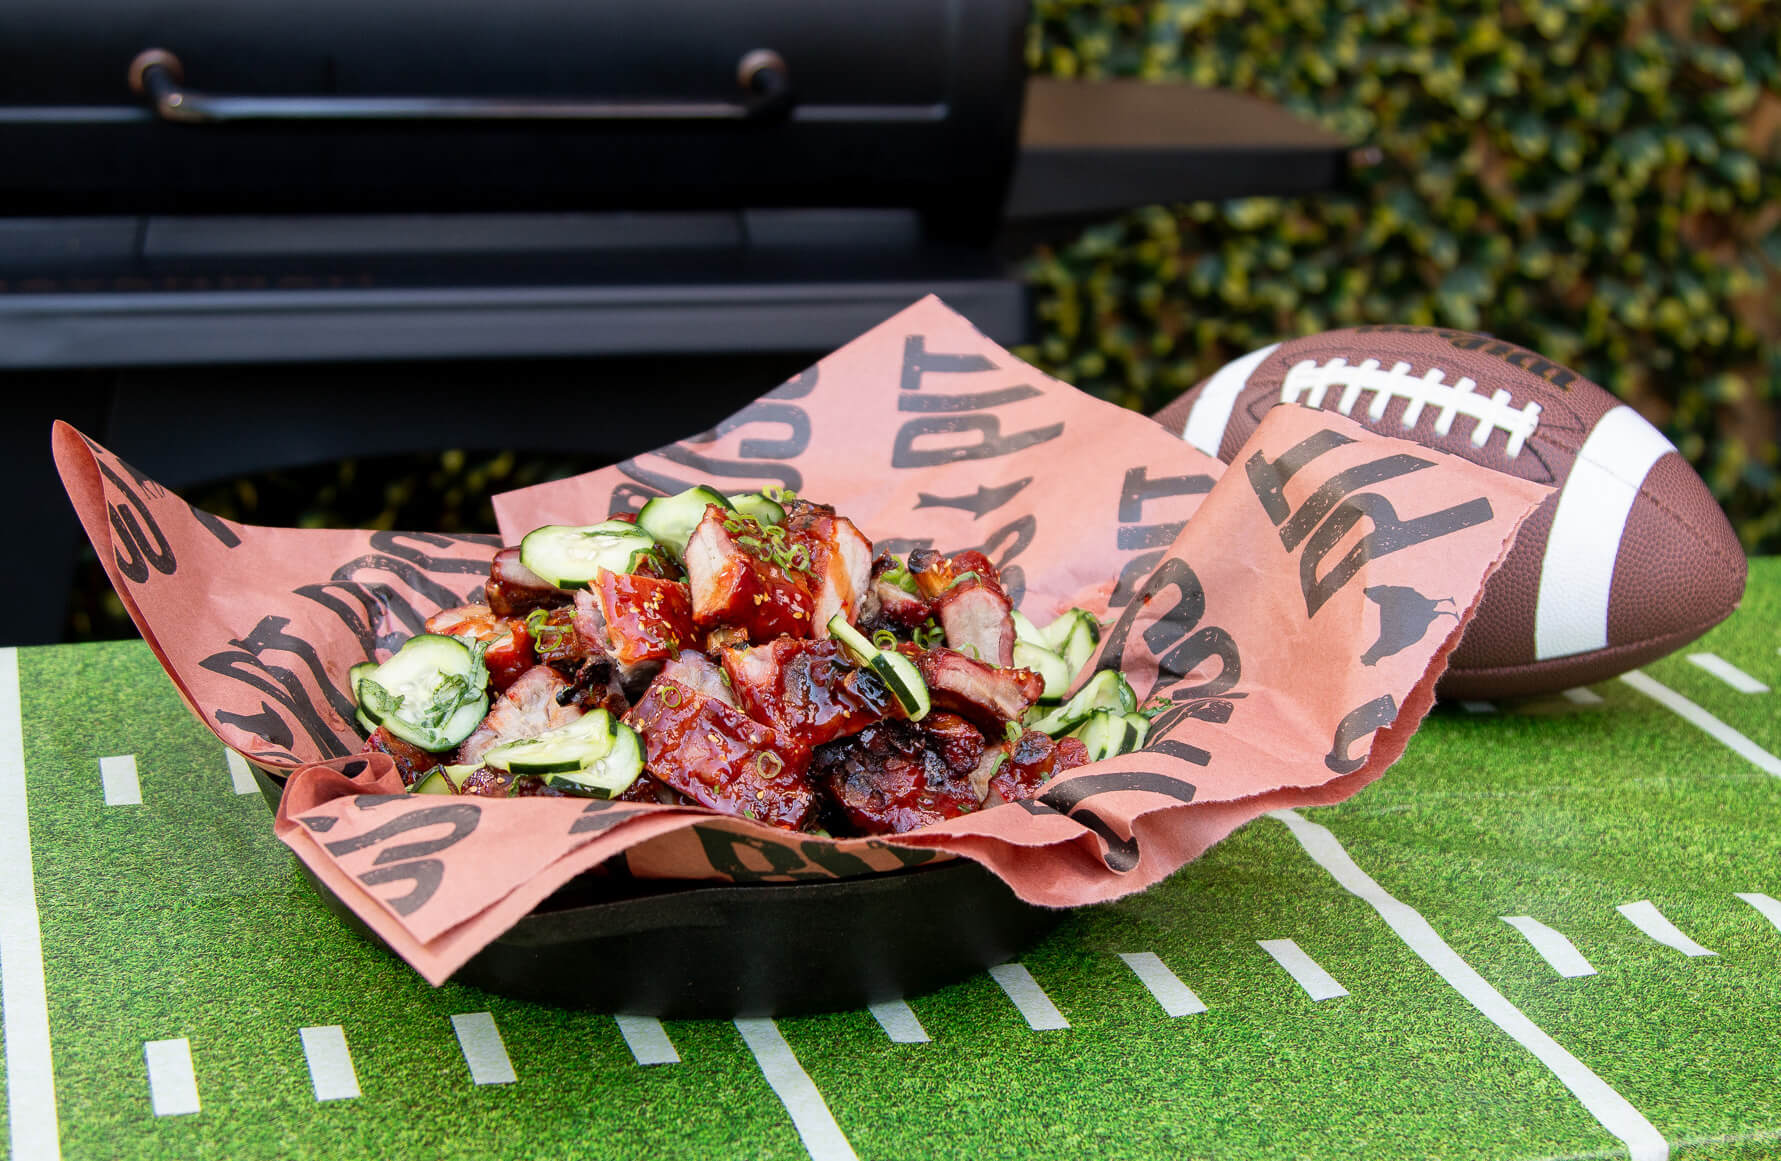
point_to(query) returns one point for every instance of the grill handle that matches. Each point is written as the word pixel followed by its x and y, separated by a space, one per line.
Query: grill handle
pixel 158 75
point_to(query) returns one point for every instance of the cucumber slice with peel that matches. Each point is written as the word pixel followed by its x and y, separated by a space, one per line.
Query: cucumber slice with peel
pixel 431 694
pixel 571 557
pixel 442 780
pixel 762 509
pixel 1025 630
pixel 1106 734
pixel 594 755
pixel 1106 690
pixel 1080 644
pixel 352 687
pixel 1047 665
pixel 671 519
pixel 898 673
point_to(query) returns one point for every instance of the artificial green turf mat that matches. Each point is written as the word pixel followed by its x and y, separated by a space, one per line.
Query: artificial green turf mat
pixel 183 917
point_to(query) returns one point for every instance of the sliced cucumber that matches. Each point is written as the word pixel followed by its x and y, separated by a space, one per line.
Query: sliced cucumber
pixel 1079 644
pixel 1025 630
pixel 352 687
pixel 898 673
pixel 431 694
pixel 442 780
pixel 1055 634
pixel 1047 665
pixel 1141 724
pixel 1106 690
pixel 758 506
pixel 1106 734
pixel 593 755
pixel 570 557
pixel 671 519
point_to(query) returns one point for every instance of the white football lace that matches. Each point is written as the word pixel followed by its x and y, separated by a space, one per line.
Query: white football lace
pixel 1313 381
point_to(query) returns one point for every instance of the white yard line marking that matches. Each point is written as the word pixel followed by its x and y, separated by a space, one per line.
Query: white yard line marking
pixel 1479 707
pixel 483 1050
pixel 240 777
pixel 118 776
pixel 172 1082
pixel 1176 997
pixel 1769 907
pixel 816 1126
pixel 1553 947
pixel 330 1064
pixel 1040 1013
pixel 1727 672
pixel 1583 696
pixel 647 1040
pixel 1613 1111
pixel 1305 971
pixel 899 1022
pixel 1647 918
pixel 1694 714
pixel 30 1074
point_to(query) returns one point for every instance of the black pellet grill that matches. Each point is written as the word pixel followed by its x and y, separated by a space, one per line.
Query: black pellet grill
pixel 239 237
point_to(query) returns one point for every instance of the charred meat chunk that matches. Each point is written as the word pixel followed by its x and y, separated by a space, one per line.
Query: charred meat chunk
pixel 1033 759
pixel 411 760
pixel 736 582
pixel 528 708
pixel 810 692
pixel 888 604
pixel 894 776
pixel 988 695
pixel 594 639
pixel 720 757
pixel 513 590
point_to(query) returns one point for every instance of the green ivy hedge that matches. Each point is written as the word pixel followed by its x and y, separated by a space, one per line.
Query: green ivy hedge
pixel 1598 181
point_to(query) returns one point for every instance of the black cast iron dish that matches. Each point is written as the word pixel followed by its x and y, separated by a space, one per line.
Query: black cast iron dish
pixel 694 952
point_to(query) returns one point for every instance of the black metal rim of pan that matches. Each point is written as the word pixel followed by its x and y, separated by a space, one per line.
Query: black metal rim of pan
pixel 769 949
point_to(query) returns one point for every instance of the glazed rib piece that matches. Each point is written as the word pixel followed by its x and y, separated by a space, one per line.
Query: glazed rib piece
pixel 894 776
pixel 989 696
pixel 411 760
pixel 732 585
pixel 810 692
pixel 720 757
pixel 513 590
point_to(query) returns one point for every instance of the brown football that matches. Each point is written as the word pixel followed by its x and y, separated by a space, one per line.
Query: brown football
pixel 1630 559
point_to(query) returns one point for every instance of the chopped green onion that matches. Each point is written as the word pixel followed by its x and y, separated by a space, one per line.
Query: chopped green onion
pixel 962 577
pixel 884 639
pixel 1012 731
pixel 768 764
pixel 774 493
pixel 970 650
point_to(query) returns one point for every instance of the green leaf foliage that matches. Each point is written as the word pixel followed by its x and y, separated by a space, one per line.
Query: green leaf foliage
pixel 1599 181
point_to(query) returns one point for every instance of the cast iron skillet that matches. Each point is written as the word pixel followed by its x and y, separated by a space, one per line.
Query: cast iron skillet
pixel 694 952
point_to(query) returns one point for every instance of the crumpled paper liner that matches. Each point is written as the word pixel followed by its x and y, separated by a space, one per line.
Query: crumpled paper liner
pixel 1296 623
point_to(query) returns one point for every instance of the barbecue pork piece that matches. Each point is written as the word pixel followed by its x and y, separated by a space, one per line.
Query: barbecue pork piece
pixel 888 605
pixel 810 692
pixel 720 757
pixel 989 696
pixel 968 601
pixel 595 639
pixel 411 760
pixel 528 708
pixel 840 562
pixel 735 582
pixel 592 675
pixel 1032 760
pixel 699 672
pixel 509 652
pixel 646 619
pixel 894 775
pixel 513 590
